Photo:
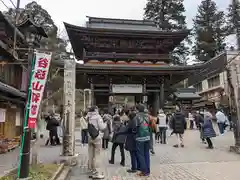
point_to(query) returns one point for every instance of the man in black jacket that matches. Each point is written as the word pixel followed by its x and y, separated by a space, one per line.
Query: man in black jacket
pixel 130 143
pixel 179 125
pixel 52 125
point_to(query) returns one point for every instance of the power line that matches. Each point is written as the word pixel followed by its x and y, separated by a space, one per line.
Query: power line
pixel 4 4
pixel 13 4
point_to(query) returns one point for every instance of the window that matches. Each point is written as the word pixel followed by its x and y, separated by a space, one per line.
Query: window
pixel 214 81
pixel 198 87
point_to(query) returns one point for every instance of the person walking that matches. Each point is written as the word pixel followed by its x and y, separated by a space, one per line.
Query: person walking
pixel 84 128
pixel 153 129
pixel 191 120
pixel 221 119
pixel 95 128
pixel 107 118
pixel 162 125
pixel 179 125
pixel 142 137
pixel 208 131
pixel 118 140
pixel 199 123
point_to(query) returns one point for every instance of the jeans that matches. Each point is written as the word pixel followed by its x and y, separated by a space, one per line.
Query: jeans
pixel 121 146
pixel 162 134
pixel 134 160
pixel 221 127
pixel 151 143
pixel 94 149
pixel 84 134
pixel 143 156
pixel 191 124
pixel 105 143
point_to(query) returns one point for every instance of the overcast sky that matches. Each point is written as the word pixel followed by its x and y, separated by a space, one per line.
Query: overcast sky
pixel 75 11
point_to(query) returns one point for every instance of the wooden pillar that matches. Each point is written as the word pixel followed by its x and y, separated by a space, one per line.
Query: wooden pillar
pixel 145 98
pixel 156 103
pixel 162 100
pixel 110 97
pixel 92 98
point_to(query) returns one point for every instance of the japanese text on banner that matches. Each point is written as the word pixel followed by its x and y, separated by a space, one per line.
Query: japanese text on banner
pixel 39 79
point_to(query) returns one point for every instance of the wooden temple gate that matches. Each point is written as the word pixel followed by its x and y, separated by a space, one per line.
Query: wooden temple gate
pixel 126 57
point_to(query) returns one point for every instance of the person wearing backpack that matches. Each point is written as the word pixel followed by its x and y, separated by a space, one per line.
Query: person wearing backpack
pixel 162 125
pixel 95 128
pixel 179 125
pixel 142 137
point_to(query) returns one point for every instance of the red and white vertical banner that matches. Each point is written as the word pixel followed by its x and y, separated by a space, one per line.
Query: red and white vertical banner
pixel 39 78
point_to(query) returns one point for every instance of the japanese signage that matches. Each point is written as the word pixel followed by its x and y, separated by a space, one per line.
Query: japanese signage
pixel 127 88
pixel 38 82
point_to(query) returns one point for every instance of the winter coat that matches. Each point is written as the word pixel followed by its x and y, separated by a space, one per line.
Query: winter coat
pixel 208 131
pixel 178 123
pixel 162 120
pixel 220 116
pixel 130 144
pixel 130 131
pixel 107 118
pixel 95 119
pixel 199 120
pixel 83 123
pixel 52 123
pixel 118 127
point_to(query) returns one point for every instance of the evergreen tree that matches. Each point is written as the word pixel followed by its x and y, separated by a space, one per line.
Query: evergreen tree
pixel 169 15
pixel 209 31
pixel 233 18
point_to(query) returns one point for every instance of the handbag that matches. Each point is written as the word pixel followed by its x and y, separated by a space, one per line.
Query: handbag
pixel 93 132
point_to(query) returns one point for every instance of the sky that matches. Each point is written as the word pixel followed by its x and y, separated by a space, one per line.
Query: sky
pixel 75 11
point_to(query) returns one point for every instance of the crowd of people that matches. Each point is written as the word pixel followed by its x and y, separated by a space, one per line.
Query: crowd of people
pixel 132 130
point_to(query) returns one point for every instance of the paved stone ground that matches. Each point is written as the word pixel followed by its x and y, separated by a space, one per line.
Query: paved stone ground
pixel 45 154
pixel 193 162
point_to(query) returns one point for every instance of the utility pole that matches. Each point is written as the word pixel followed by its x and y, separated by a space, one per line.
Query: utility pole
pixel 69 107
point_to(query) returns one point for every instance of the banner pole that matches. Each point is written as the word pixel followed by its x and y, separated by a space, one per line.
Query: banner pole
pixel 23 167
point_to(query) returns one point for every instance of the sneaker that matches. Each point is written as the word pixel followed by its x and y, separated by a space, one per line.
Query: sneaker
pixel 92 173
pixel 152 152
pixel 182 145
pixel 131 171
pixel 111 162
pixel 98 176
pixel 209 147
pixel 122 164
pixel 176 146
pixel 141 174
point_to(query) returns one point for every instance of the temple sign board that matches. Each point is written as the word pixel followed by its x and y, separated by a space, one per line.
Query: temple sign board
pixel 127 88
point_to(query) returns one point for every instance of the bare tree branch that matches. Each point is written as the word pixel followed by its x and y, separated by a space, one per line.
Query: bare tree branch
pixel 52 95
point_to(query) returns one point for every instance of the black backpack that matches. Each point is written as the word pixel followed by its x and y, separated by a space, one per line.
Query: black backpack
pixel 93 132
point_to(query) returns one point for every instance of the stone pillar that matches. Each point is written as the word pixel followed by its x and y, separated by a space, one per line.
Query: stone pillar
pixel 156 103
pixel 162 100
pixel 69 108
